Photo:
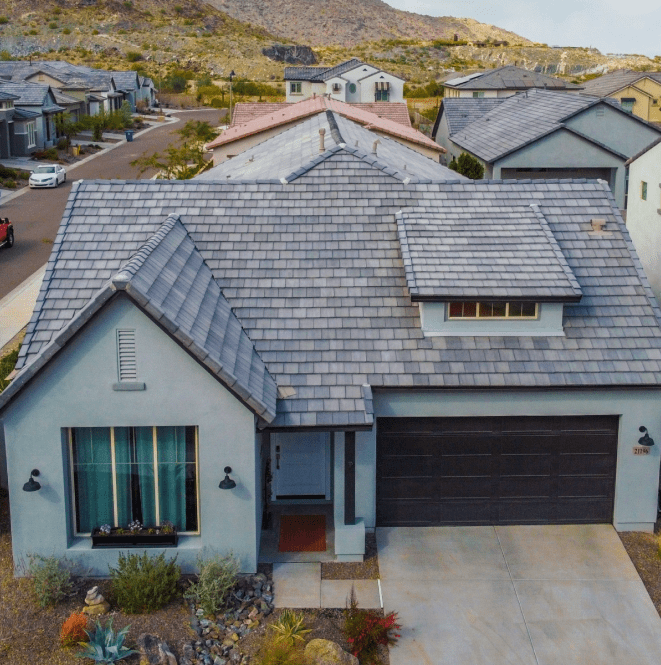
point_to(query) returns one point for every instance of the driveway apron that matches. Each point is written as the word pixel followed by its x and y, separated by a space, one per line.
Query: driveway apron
pixel 524 595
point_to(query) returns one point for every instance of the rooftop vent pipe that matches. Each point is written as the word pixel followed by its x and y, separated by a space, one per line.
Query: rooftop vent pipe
pixel 376 143
pixel 322 133
pixel 598 225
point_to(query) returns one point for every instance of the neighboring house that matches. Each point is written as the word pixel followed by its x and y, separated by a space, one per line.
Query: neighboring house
pixel 638 92
pixel 644 211
pixel 37 111
pixel 353 81
pixel 237 139
pixel 542 134
pixel 7 125
pixel 503 82
pixel 244 112
pixel 411 350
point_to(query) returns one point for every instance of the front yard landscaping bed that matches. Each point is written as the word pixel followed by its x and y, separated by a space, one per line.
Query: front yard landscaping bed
pixel 368 569
pixel 643 549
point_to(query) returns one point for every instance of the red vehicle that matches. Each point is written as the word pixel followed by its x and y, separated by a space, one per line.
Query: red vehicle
pixel 6 233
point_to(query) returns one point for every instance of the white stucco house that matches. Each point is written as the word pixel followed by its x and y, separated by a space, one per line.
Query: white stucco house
pixel 367 333
pixel 353 81
pixel 644 210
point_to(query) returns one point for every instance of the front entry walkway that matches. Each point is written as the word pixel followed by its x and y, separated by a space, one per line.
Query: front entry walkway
pixel 524 595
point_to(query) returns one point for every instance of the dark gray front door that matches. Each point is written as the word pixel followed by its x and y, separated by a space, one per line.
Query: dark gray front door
pixel 501 470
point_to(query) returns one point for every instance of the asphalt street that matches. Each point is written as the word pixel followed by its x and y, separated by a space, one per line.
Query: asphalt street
pixel 36 214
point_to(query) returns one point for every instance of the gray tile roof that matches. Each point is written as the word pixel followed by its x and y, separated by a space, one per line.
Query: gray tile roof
pixel 168 278
pixel 320 74
pixel 509 78
pixel 290 154
pixel 25 114
pixel 451 252
pixel 29 94
pixel 7 95
pixel 520 119
pixel 462 111
pixel 314 272
pixel 125 80
pixel 613 81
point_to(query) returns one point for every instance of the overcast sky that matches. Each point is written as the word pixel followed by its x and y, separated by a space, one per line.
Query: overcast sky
pixel 612 26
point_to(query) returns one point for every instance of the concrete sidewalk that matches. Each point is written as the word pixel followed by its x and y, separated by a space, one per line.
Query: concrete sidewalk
pixel 16 307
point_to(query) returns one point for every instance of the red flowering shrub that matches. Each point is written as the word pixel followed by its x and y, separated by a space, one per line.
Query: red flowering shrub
pixel 73 630
pixel 365 630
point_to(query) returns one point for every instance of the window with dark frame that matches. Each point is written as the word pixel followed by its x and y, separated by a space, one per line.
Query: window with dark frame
pixel 492 310
pixel 295 88
pixel 643 190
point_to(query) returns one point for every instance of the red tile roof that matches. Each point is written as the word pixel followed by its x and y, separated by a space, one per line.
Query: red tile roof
pixel 244 112
pixel 288 113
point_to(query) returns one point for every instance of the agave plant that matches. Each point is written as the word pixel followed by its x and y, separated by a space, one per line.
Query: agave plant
pixel 105 646
pixel 290 628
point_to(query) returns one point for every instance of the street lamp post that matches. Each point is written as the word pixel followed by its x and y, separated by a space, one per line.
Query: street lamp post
pixel 232 75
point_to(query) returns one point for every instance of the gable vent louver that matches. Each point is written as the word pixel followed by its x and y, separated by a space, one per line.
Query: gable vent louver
pixel 126 356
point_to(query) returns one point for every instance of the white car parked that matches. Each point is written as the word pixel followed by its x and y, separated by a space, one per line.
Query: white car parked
pixel 47 175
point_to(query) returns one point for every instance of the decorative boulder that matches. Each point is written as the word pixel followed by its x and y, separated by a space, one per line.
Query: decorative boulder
pixel 325 652
pixel 153 651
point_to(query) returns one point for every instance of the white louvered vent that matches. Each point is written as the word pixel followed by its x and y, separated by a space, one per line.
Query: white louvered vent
pixel 126 359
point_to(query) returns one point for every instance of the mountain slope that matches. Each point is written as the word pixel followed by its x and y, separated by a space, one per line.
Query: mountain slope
pixel 350 22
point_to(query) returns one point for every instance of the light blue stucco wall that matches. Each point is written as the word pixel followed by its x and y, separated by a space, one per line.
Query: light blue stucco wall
pixel 637 476
pixel 75 390
pixel 620 131
pixel 563 149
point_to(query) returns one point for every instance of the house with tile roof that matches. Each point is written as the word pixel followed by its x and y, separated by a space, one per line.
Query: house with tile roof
pixel 638 92
pixel 35 109
pixel 503 82
pixel 386 344
pixel 7 113
pixel 353 81
pixel 238 138
pixel 544 134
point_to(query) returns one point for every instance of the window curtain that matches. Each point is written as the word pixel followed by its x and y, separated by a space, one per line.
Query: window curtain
pixel 134 460
pixel 92 471
pixel 177 490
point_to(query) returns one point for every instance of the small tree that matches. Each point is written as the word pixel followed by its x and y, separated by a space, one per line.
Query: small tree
pixel 467 165
pixel 66 126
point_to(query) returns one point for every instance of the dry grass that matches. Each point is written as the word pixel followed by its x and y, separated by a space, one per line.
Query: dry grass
pixel 30 634
pixel 643 549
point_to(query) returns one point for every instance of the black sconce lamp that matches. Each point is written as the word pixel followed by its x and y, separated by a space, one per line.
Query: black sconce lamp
pixel 646 439
pixel 32 485
pixel 227 483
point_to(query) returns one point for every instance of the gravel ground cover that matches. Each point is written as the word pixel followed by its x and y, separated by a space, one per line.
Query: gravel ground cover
pixel 643 549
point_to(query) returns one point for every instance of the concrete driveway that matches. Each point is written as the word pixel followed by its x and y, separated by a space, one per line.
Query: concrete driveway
pixel 524 595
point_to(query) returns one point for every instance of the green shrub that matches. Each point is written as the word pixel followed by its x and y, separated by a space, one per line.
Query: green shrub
pixel 33 32
pixel 10 184
pixel 128 4
pixel 467 165
pixel 216 579
pixel 3 20
pixel 290 627
pixel 95 32
pixel 7 364
pixel 106 646
pixel 218 103
pixel 53 25
pixel 48 154
pixel 279 654
pixel 24 175
pixel 66 31
pixel 6 172
pixel 365 630
pixel 133 56
pixel 62 144
pixel 142 583
pixel 51 578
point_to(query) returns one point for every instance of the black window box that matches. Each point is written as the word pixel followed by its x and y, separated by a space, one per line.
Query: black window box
pixel 141 540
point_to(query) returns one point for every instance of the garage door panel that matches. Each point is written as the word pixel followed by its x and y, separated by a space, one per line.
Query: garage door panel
pixel 472 465
pixel 525 465
pixel 589 465
pixel 465 512
pixel 407 513
pixel 465 487
pixel 411 487
pixel 504 470
pixel 414 465
pixel 573 486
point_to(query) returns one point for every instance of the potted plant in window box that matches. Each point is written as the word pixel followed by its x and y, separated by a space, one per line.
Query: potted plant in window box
pixel 136 535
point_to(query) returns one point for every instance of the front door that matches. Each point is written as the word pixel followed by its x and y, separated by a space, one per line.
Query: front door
pixel 300 465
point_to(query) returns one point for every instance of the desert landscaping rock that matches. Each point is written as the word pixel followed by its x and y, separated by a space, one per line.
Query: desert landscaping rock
pixel 325 652
pixel 153 651
pixel 95 603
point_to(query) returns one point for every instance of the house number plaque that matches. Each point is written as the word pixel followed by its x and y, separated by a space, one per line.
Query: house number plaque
pixel 641 450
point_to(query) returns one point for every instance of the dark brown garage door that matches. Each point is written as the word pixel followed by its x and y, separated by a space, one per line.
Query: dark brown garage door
pixel 442 471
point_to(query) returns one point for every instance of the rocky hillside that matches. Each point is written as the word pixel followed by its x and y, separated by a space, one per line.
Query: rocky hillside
pixel 352 22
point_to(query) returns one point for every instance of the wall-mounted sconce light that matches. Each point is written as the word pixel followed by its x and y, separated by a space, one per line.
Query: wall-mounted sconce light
pixel 646 439
pixel 32 485
pixel 227 483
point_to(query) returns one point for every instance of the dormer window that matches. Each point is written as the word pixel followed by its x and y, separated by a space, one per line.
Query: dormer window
pixel 492 310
